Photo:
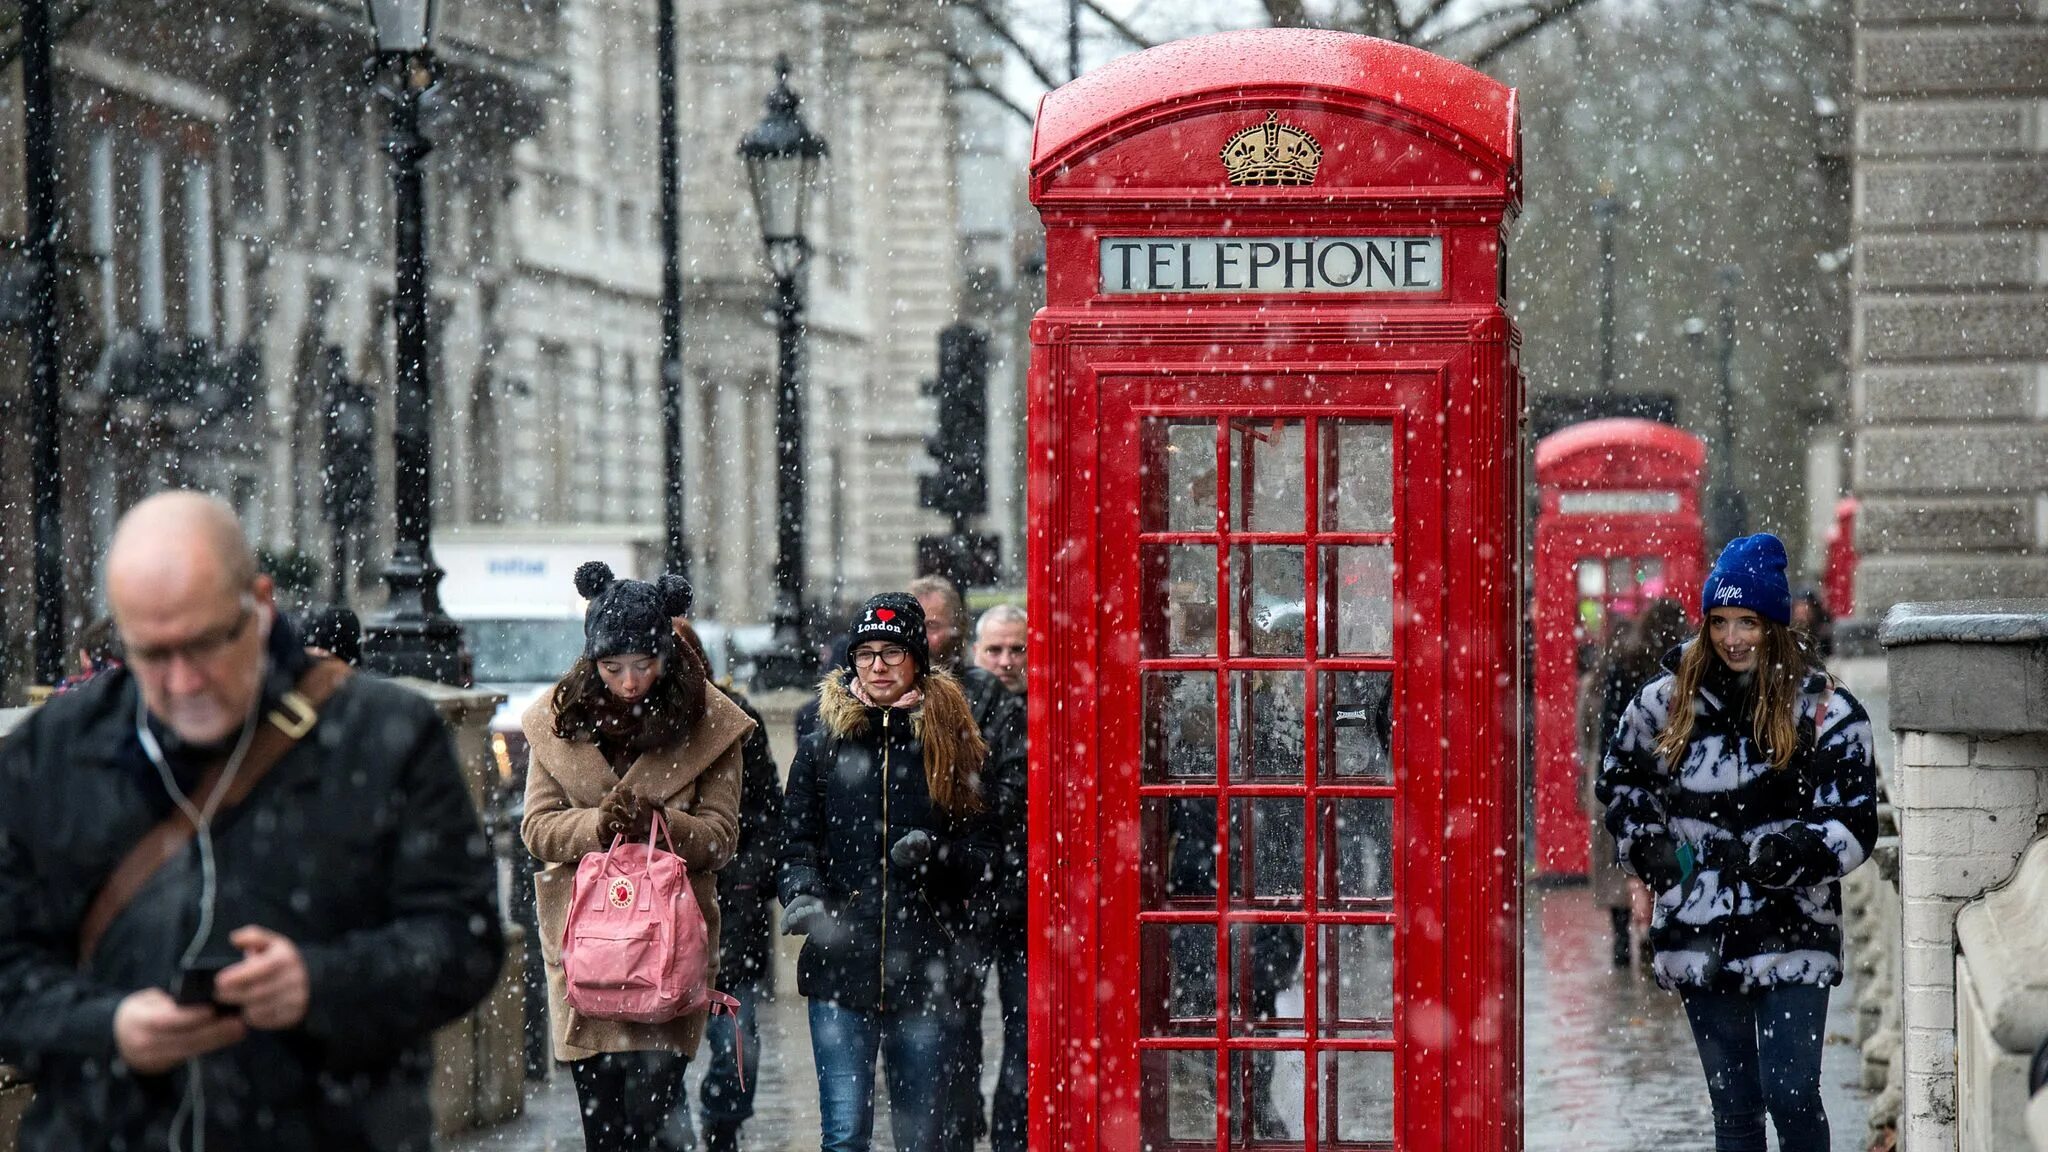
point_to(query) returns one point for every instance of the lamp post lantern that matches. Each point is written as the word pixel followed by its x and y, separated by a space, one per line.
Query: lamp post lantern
pixel 782 155
pixel 411 636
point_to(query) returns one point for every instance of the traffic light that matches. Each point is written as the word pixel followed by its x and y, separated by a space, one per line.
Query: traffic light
pixel 959 486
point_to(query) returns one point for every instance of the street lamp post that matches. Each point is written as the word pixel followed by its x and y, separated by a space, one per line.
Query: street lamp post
pixel 1605 209
pixel 782 155
pixel 1730 509
pixel 412 636
pixel 39 165
pixel 675 549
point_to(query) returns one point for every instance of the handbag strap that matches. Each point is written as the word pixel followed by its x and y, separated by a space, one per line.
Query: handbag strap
pixel 282 729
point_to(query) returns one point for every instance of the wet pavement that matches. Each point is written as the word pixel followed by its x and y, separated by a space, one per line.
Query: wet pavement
pixel 1610 1065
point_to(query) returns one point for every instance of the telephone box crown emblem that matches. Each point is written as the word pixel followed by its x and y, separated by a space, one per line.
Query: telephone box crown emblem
pixel 1272 153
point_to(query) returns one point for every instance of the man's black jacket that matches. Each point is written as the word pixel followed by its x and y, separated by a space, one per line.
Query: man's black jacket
pixel 360 845
pixel 747 882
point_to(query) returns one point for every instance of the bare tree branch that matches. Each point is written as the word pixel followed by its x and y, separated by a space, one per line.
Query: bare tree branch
pixel 1288 13
pixel 973 79
pixel 1435 8
pixel 1116 24
pixel 1001 28
pixel 1540 18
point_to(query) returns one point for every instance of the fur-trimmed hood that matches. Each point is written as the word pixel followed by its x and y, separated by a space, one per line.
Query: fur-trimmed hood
pixel 943 723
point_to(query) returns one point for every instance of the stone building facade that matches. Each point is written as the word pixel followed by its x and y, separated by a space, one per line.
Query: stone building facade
pixel 1950 338
pixel 229 248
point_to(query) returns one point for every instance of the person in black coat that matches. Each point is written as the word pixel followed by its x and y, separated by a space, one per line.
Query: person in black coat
pixel 349 902
pixel 885 836
pixel 746 961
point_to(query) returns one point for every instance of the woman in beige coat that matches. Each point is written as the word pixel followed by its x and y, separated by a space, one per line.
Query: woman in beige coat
pixel 631 729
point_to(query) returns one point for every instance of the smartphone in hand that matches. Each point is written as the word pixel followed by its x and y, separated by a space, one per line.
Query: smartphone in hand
pixel 195 983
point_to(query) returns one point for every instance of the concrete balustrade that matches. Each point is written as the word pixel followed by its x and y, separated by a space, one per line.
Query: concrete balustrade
pixel 1969 704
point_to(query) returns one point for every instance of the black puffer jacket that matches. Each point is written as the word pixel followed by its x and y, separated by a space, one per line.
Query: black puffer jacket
pixel 1000 902
pixel 360 845
pixel 1715 925
pixel 747 882
pixel 888 934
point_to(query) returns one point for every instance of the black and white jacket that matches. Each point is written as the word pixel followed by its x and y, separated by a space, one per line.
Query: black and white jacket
pixel 1716 928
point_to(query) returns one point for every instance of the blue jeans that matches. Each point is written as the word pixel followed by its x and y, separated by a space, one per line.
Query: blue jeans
pixel 1761 1051
pixel 845 1043
pixel 726 1103
pixel 1012 1110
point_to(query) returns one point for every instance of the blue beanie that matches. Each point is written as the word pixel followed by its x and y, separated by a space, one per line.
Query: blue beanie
pixel 1750 574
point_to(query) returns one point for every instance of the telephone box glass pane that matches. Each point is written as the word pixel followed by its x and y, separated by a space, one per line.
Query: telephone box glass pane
pixel 1358 1097
pixel 1180 726
pixel 1180 1090
pixel 1356 715
pixel 1267 714
pixel 1180 476
pixel 1268 482
pixel 1358 600
pixel 1178 868
pixel 1356 992
pixel 1269 592
pixel 1267 1088
pixel 1180 597
pixel 1357 476
pixel 1180 979
pixel 1268 865
pixel 1356 838
pixel 1265 987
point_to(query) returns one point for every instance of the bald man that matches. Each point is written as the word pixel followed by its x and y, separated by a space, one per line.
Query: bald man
pixel 273 974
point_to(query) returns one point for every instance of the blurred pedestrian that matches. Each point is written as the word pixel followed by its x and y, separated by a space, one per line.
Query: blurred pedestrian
pixel 1810 616
pixel 1634 657
pixel 99 650
pixel 885 833
pixel 745 953
pixel 227 849
pixel 334 631
pixel 1740 786
pixel 633 731
pixel 999 713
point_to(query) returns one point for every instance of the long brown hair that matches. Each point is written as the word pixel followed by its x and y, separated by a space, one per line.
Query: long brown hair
pixel 1782 664
pixel 674 704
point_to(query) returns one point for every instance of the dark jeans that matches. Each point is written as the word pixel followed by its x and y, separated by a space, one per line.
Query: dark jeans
pixel 1012 1108
pixel 633 1102
pixel 1761 1051
pixel 727 1102
pixel 845 1044
pixel 965 1121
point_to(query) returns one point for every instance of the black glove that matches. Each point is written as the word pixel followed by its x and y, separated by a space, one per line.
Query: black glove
pixel 623 812
pixel 1728 857
pixel 911 849
pixel 1781 859
pixel 802 914
pixel 1655 859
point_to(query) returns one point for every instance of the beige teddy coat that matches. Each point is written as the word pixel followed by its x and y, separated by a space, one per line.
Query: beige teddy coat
pixel 698 784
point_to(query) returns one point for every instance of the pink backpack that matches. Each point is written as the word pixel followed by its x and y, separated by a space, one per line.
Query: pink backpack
pixel 636 946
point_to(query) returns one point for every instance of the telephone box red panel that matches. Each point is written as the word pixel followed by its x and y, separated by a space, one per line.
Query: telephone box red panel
pixel 1618 526
pixel 1274 499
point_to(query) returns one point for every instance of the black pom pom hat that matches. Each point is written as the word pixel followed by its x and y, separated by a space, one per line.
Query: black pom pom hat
pixel 629 616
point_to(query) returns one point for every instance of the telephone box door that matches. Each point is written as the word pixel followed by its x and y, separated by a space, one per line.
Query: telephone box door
pixel 1281 563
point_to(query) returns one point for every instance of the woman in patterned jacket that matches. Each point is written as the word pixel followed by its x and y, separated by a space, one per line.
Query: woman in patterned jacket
pixel 1740 787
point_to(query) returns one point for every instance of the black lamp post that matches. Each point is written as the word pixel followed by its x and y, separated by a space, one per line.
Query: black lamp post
pixel 1605 209
pixel 412 636
pixel 1727 507
pixel 39 165
pixel 675 549
pixel 782 156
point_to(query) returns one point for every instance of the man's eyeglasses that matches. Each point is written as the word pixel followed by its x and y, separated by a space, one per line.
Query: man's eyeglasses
pixel 890 656
pixel 200 648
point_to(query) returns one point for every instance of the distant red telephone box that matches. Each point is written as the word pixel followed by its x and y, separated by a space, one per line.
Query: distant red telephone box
pixel 1274 500
pixel 1618 527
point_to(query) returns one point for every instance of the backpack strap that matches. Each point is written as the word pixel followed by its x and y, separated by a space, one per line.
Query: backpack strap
pixel 282 728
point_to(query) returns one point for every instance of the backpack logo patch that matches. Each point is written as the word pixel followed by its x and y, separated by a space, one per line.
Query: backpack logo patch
pixel 621 892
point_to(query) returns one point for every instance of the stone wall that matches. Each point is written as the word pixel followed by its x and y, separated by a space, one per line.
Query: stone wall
pixel 1950 339
pixel 1967 685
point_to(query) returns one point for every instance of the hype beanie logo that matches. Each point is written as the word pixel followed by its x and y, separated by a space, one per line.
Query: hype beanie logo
pixel 1750 574
pixel 893 618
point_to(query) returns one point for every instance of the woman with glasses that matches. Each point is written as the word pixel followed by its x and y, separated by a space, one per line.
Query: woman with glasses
pixel 885 835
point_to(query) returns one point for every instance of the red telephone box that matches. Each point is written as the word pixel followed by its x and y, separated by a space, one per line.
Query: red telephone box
pixel 1619 526
pixel 1274 501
